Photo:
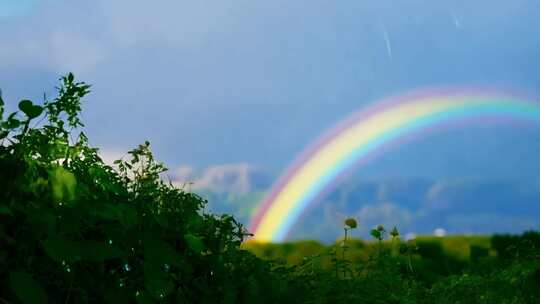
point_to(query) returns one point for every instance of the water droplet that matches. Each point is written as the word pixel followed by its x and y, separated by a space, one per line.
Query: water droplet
pixel 110 242
pixel 126 267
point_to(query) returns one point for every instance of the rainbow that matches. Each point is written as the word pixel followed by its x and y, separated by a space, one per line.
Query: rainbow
pixel 368 133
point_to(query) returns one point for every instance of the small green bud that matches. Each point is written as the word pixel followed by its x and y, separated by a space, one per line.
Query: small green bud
pixel 380 228
pixel 351 223
pixel 394 233
pixel 376 234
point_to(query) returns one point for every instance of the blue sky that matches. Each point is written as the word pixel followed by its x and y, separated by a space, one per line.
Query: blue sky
pixel 216 82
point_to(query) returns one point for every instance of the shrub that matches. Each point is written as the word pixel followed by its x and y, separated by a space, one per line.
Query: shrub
pixel 73 229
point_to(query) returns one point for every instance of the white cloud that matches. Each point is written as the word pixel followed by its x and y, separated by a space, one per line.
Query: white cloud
pixel 184 174
pixel 439 232
pixel 110 155
pixel 437 195
pixel 238 178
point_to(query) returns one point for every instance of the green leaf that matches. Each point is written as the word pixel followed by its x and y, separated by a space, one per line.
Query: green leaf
pixel 107 211
pixel 1 106
pixel 156 281
pixel 25 104
pixel 375 233
pixel 31 110
pixel 125 214
pixel 12 122
pixel 115 295
pixel 144 298
pixel 194 242
pixel 63 184
pixel 26 288
pixel 98 251
pixel 161 252
pixel 5 210
pixel 61 250
pixel 68 251
pixel 128 216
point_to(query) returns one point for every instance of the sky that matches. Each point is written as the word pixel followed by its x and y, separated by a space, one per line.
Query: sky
pixel 254 82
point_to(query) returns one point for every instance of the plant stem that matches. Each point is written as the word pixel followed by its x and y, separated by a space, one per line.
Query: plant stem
pixel 343 251
pixel 335 259
pixel 69 291
pixel 410 263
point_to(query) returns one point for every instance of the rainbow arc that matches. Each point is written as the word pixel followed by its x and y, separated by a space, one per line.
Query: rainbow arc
pixel 369 133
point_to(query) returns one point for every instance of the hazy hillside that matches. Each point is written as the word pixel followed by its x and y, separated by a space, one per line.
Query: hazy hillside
pixel 416 205
pixel 419 206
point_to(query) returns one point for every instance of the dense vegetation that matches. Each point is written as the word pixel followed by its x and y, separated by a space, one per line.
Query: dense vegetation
pixel 75 230
pixel 429 265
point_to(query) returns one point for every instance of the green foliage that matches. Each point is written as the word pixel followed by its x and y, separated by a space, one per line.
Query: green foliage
pixel 351 223
pixel 454 269
pixel 75 230
pixel 26 288
pixel 510 246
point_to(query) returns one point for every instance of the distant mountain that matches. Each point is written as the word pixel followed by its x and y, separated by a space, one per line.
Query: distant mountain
pixel 415 205
pixel 227 178
pixel 419 206
pixel 229 188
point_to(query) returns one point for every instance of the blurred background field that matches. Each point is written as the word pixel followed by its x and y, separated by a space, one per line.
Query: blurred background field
pixel 430 258
pixel 460 248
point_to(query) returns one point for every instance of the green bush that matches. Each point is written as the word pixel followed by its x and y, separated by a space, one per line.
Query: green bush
pixel 73 229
